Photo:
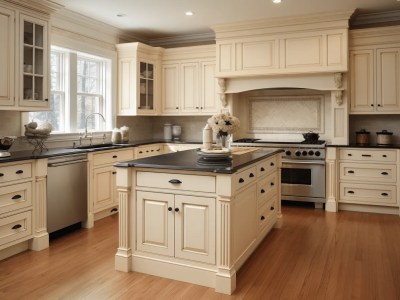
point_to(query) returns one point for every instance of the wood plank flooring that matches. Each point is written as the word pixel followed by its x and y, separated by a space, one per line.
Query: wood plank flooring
pixel 315 255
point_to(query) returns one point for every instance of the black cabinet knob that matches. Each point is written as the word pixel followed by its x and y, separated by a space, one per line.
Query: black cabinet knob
pixel 114 210
pixel 262 169
pixel 385 173
pixel 170 208
pixel 241 180
pixel 272 184
pixel 350 192
pixel 350 172
pixel 272 208
pixel 177 209
pixel 385 194
pixel 251 175
pixel 114 172
pixel 1 174
pixel 272 164
pixel 115 156
pixel 262 191
pixel 262 218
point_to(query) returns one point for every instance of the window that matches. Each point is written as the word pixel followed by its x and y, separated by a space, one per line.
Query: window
pixel 79 88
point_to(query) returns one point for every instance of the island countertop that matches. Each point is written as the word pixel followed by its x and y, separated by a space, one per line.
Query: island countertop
pixel 188 161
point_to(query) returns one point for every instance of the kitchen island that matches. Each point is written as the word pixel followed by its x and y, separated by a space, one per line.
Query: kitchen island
pixel 185 220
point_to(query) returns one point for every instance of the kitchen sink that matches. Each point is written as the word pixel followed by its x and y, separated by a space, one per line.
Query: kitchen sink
pixel 96 146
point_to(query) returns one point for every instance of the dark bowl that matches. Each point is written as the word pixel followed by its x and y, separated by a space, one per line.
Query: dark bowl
pixel 311 136
pixel 6 143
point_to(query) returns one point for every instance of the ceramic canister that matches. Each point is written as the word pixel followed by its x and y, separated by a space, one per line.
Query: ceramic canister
pixel 384 137
pixel 167 131
pixel 362 137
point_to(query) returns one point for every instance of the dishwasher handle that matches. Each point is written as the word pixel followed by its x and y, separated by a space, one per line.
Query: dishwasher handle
pixel 59 164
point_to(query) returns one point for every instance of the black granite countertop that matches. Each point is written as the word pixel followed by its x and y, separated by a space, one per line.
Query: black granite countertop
pixel 52 152
pixel 188 161
pixel 365 146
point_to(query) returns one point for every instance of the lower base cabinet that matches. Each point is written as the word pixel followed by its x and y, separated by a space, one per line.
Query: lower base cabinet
pixel 180 226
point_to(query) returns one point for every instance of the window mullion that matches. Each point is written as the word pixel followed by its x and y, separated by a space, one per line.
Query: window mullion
pixel 73 88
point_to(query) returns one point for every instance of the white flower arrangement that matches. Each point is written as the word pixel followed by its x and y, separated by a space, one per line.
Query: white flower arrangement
pixel 224 124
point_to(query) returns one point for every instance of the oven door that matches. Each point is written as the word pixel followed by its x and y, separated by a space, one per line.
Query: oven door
pixel 303 180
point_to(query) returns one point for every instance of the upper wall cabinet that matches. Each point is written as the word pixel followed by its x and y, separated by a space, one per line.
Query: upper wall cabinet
pixel 189 86
pixel 309 44
pixel 138 79
pixel 24 55
pixel 375 71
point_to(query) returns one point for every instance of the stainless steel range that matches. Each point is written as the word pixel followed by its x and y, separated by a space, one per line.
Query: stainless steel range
pixel 303 168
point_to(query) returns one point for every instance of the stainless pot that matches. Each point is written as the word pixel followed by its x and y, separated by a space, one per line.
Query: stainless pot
pixel 384 137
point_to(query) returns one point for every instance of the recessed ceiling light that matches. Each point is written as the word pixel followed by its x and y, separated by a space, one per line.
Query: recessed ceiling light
pixel 121 15
pixel 279 1
pixel 189 13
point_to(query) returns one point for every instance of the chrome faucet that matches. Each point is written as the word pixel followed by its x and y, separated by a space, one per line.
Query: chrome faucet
pixel 86 121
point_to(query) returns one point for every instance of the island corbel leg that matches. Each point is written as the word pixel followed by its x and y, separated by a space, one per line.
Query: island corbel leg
pixel 226 277
pixel 123 257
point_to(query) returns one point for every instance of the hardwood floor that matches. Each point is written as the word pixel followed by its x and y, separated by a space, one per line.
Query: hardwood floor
pixel 315 255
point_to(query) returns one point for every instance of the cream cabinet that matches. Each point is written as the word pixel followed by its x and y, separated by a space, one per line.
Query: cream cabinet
pixel 148 150
pixel 138 79
pixel 189 86
pixel 375 71
pixel 285 46
pixel 180 226
pixel 102 194
pixel 24 54
pixel 368 177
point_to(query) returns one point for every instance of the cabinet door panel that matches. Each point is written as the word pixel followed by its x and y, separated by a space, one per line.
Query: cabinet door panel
pixel 209 99
pixel 6 56
pixel 103 188
pixel 388 73
pixel 170 89
pixel 195 228
pixel 155 223
pixel 190 87
pixel 362 81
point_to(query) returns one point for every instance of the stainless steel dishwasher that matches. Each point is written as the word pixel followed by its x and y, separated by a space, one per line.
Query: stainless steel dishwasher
pixel 66 191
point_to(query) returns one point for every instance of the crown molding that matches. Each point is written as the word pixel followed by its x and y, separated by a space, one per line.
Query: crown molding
pixel 376 18
pixel 192 39
pixel 43 6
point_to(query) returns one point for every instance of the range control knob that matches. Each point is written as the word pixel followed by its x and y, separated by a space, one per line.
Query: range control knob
pixel 311 152
pixel 288 152
pixel 298 153
pixel 317 153
pixel 304 153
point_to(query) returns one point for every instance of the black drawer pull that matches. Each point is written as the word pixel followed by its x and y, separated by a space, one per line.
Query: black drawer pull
pixel 114 210
pixel 262 169
pixel 350 192
pixel 140 151
pixel 114 172
pixel 262 218
pixel 272 208
pixel 385 173
pixel 366 155
pixel 350 172
pixel 384 155
pixel 272 164
pixel 175 181
pixel 115 156
pixel 241 180
pixel 272 184
pixel 385 194
pixel 1 174
pixel 262 191
pixel 16 197
pixel 16 226
pixel 349 154
pixel 251 175
pixel 19 172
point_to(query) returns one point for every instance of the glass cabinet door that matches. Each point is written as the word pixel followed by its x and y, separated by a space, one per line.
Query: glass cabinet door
pixel 146 86
pixel 34 62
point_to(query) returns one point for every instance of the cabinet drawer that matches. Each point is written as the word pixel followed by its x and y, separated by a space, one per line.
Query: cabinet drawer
pixel 244 178
pixel 267 212
pixel 111 157
pixel 368 172
pixel 367 155
pixel 266 166
pixel 150 150
pixel 368 194
pixel 15 227
pixel 15 196
pixel 182 182
pixel 267 187
pixel 11 173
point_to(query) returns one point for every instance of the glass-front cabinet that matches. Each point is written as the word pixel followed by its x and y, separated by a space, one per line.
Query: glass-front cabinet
pixel 146 86
pixel 33 63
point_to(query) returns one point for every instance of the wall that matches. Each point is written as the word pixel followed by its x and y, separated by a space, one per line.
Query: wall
pixel 374 124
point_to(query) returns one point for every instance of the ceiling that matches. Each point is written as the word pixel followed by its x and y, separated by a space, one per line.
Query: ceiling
pixel 157 19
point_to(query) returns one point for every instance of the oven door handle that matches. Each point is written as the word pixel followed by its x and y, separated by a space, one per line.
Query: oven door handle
pixel 302 162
